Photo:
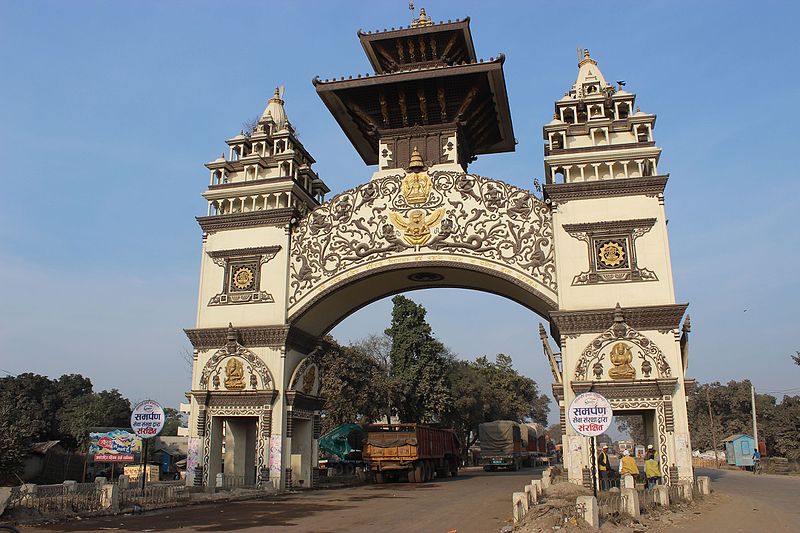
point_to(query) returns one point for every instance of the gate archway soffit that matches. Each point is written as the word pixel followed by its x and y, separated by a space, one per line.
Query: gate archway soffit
pixel 451 217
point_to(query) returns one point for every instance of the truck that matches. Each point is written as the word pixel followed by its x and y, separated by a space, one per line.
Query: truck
pixel 341 450
pixel 410 452
pixel 501 445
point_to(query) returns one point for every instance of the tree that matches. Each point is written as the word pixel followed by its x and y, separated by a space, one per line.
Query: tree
pixel 14 444
pixel 379 348
pixel 796 357
pixel 419 364
pixel 173 420
pixel 352 384
pixel 633 425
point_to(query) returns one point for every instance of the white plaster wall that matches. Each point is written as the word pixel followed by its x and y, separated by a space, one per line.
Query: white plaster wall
pixel 652 252
pixel 273 279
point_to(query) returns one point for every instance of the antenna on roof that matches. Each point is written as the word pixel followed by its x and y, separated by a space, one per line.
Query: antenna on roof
pixel 411 8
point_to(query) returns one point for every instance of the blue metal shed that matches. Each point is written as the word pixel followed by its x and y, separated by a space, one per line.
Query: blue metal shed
pixel 739 450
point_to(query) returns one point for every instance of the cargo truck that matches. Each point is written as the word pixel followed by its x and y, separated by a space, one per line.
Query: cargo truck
pixel 501 445
pixel 410 452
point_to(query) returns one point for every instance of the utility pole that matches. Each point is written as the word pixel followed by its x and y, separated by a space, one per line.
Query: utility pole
pixel 753 403
pixel 713 431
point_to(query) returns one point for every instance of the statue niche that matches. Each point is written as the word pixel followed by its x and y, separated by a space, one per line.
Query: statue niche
pixel 234 375
pixel 621 358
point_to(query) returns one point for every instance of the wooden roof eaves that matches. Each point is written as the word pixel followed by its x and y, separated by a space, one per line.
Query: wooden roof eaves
pixel 367 39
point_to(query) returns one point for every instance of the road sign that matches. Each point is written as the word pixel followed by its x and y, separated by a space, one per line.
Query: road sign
pixel 590 414
pixel 147 419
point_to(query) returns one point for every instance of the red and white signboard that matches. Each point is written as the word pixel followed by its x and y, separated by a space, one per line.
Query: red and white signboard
pixel 147 419
pixel 590 414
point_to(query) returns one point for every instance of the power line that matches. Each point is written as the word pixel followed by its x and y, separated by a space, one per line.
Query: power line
pixel 7 373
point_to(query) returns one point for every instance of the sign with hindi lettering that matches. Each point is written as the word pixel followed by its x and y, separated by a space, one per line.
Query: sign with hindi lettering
pixel 147 419
pixel 590 414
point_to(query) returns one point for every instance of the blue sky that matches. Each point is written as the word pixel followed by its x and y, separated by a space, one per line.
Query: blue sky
pixel 108 111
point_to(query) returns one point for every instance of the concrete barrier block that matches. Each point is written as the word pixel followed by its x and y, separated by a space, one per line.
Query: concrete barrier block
pixel 589 510
pixel 661 495
pixel 70 485
pixel 685 490
pixel 100 480
pixel 704 485
pixel 546 478
pixel 630 502
pixel 109 497
pixel 124 482
pixel 537 484
pixel 520 506
pixel 628 482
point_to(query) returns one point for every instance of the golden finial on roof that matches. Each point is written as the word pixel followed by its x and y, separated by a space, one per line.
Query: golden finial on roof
pixel 586 53
pixel 416 160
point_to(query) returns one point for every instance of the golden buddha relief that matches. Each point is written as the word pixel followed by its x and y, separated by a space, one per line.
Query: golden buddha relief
pixel 621 357
pixel 234 375
pixel 416 186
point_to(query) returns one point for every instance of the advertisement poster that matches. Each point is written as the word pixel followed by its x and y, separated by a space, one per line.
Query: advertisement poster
pixel 275 456
pixel 115 446
pixel 192 456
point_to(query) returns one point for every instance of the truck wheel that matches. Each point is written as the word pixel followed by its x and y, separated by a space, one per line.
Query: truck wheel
pixel 487 468
pixel 454 469
pixel 379 478
pixel 419 472
pixel 412 478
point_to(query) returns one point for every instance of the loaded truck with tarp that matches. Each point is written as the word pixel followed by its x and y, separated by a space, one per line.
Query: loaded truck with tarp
pixel 410 452
pixel 502 445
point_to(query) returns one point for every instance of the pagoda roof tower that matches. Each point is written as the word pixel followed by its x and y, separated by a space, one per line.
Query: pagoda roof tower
pixel 429 91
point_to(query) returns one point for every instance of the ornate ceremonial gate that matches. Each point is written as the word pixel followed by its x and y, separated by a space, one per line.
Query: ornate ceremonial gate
pixel 281 267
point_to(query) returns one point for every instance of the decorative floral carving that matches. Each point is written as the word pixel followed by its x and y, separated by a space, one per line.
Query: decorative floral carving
pixel 259 369
pixel 482 218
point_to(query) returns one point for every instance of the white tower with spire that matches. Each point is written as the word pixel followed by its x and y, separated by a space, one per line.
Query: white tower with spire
pixel 618 324
pixel 243 349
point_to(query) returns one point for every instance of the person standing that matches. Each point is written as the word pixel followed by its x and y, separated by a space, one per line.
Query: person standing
pixel 604 468
pixel 627 466
pixel 652 470
pixel 756 461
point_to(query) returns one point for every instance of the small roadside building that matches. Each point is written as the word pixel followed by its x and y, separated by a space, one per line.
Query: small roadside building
pixel 739 449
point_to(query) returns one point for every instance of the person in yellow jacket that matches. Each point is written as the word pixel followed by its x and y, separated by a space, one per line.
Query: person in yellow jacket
pixel 627 465
pixel 652 471
pixel 604 467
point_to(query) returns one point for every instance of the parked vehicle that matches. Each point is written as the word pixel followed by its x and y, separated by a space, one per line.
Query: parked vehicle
pixel 412 452
pixel 501 445
pixel 341 450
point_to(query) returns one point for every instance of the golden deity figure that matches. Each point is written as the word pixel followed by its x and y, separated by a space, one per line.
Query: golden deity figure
pixel 416 186
pixel 621 357
pixel 234 375
pixel 417 227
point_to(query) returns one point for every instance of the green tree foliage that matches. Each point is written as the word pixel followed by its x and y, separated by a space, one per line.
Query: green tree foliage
pixel 13 444
pixel 352 383
pixel 483 391
pixel 61 409
pixel 778 422
pixel 172 422
pixel 419 364
pixel 796 357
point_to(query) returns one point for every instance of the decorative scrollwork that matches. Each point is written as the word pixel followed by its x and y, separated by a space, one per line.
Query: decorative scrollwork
pixel 482 218
pixel 648 351
pixel 237 350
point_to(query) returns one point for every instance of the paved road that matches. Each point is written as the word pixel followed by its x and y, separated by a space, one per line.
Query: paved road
pixel 749 503
pixel 476 501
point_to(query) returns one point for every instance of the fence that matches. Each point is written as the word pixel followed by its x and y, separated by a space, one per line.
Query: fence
pixel 154 495
pixel 55 499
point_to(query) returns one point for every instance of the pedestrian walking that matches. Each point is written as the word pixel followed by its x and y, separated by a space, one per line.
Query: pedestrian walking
pixel 652 470
pixel 604 468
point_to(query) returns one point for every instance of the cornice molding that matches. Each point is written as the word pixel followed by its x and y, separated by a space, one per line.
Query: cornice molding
pixel 264 398
pixel 300 400
pixel 273 217
pixel 610 226
pixel 240 252
pixel 260 336
pixel 628 389
pixel 652 317
pixel 561 193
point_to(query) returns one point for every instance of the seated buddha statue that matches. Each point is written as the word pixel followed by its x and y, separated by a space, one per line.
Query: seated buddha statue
pixel 621 358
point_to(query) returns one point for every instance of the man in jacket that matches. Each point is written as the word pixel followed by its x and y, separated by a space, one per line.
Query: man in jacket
pixel 651 470
pixel 604 468
pixel 627 466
